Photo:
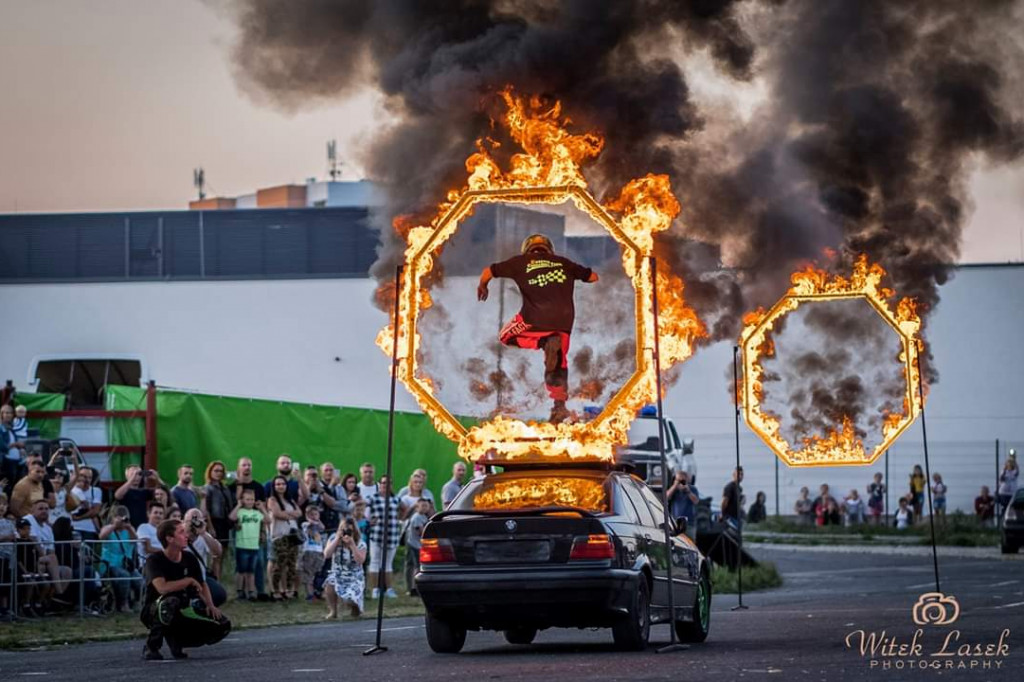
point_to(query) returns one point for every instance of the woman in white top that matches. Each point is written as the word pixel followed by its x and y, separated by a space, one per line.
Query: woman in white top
pixel 61 485
pixel 904 517
pixel 412 493
pixel 1007 482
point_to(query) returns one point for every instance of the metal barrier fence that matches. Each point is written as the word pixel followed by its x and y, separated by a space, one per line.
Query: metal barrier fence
pixel 87 553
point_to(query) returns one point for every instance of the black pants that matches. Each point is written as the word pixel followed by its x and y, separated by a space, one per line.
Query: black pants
pixel 186 629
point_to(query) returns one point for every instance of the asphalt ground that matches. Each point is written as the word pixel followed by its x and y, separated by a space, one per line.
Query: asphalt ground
pixel 797 631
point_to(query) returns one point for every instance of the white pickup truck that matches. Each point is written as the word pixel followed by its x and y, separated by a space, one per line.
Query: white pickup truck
pixel 642 450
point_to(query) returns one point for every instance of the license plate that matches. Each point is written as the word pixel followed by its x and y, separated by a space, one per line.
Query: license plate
pixel 512 551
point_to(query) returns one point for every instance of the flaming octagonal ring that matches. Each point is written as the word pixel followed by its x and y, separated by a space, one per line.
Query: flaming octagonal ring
pixel 503 437
pixel 842 447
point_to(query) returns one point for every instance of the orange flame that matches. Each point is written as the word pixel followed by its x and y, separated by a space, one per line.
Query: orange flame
pixel 548 170
pixel 841 445
pixel 552 491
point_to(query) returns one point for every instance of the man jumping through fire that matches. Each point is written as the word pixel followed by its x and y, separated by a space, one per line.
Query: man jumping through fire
pixel 546 282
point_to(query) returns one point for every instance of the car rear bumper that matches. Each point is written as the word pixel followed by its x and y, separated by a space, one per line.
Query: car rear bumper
pixel 499 599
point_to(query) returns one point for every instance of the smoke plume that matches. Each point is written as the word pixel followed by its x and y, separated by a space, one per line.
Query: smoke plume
pixel 875 113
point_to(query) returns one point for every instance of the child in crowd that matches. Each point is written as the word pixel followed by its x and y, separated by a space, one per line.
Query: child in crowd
pixel 359 516
pixel 20 424
pixel 7 537
pixel 311 558
pixel 248 522
pixel 804 508
pixel 904 517
pixel 853 508
pixel 27 556
pixel 876 498
pixel 413 535
pixel 939 497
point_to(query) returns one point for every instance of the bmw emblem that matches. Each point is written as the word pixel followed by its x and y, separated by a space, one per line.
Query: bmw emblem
pixel 511 526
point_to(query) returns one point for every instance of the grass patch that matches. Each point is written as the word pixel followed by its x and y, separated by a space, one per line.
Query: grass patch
pixel 58 630
pixel 761 577
pixel 958 529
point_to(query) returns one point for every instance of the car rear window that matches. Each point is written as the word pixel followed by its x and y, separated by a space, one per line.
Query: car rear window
pixel 535 491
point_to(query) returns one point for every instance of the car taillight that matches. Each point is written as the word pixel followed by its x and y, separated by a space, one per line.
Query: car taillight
pixel 590 547
pixel 436 551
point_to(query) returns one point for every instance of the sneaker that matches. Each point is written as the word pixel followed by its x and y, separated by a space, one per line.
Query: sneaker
pixel 240 596
pixel 391 594
pixel 375 594
pixel 150 654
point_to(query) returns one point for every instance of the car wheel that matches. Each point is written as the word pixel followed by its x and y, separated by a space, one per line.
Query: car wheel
pixel 520 635
pixel 634 630
pixel 443 637
pixel 697 630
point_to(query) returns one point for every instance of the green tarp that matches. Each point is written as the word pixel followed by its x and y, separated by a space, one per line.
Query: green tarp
pixel 49 402
pixel 197 429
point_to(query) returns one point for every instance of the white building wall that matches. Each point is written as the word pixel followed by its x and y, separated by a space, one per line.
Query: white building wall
pixel 313 341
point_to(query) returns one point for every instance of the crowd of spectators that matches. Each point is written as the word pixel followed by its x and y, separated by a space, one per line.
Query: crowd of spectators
pixel 313 534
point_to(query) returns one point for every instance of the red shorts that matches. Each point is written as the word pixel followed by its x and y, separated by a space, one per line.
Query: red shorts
pixel 517 332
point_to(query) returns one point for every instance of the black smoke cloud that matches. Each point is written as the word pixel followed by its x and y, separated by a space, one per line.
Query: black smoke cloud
pixel 876 111
pixel 438 61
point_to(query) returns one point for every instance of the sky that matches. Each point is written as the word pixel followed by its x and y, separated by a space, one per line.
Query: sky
pixel 110 104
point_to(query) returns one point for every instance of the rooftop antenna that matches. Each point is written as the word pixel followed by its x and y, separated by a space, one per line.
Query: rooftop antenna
pixel 199 181
pixel 333 165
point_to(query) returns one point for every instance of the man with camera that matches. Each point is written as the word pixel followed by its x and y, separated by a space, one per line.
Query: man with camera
pixel 134 494
pixel 178 606
pixel 207 549
pixel 683 499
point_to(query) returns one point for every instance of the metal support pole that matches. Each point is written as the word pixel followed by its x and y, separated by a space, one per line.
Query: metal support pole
pixel 739 521
pixel 14 582
pixel 776 487
pixel 81 579
pixel 150 456
pixel 377 647
pixel 928 478
pixel 666 522
pixel 995 491
pixel 887 487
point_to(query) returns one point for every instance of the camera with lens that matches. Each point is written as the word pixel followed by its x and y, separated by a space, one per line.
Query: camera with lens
pixel 347 533
pixel 197 522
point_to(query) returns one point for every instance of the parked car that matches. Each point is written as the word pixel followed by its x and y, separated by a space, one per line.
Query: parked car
pixel 1013 524
pixel 643 454
pixel 573 547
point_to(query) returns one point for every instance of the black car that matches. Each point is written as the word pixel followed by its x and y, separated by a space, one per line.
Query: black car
pixel 530 549
pixel 1013 524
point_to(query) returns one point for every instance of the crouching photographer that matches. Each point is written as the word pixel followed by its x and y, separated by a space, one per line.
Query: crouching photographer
pixel 207 549
pixel 177 606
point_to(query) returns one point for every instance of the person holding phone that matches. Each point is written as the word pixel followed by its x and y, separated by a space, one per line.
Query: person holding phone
pixel 117 558
pixel 346 581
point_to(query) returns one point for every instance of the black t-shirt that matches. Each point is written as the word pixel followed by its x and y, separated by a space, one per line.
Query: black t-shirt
pixel 159 566
pixel 546 282
pixel 732 493
pixel 135 501
pixel 256 488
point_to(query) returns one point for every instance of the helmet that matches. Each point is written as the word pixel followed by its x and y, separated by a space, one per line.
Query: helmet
pixel 537 241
